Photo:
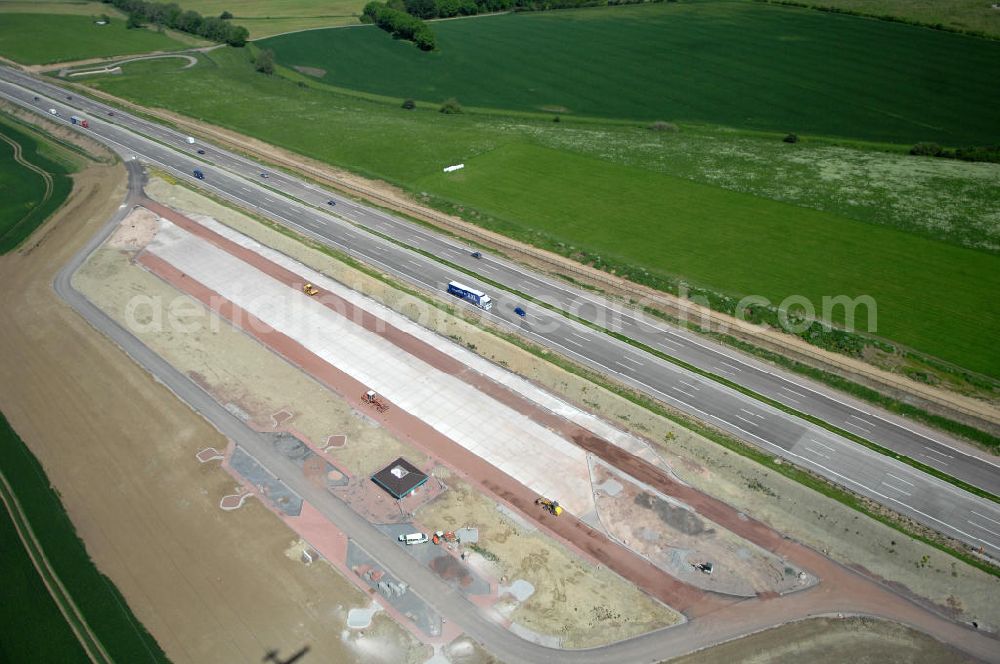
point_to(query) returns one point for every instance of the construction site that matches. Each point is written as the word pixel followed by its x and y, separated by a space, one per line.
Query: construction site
pixel 557 509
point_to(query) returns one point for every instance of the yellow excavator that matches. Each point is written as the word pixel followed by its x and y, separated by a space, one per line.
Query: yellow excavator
pixel 550 506
pixel 309 289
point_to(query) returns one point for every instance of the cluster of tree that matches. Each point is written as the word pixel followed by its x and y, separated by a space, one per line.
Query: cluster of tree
pixel 171 16
pixel 990 153
pixel 264 62
pixel 393 19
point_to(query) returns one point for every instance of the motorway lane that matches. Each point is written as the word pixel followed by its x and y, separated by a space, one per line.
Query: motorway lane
pixel 932 448
pixel 924 498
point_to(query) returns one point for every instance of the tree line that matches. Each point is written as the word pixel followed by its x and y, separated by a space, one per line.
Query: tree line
pixel 170 15
pixel 404 19
pixel 399 23
pixel 427 9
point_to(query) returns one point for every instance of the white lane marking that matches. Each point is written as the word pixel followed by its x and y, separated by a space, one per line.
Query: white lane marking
pixel 750 422
pixel 934 459
pixel 896 488
pixel 860 419
pixel 578 336
pixel 750 412
pixel 813 440
pixel 670 343
pixel 691 385
pixel 677 389
pixel 817 452
pixel 900 479
pixel 627 358
pixel 789 392
pixel 723 371
pixel 857 426
pixel 979 525
pixel 575 343
pixel 412 262
pixel 983 516
pixel 931 449
pixel 731 366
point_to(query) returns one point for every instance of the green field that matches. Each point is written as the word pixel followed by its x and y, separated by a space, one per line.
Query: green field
pixel 28 196
pixel 737 64
pixel 45 38
pixel 103 607
pixel 31 627
pixel 270 17
pixel 626 177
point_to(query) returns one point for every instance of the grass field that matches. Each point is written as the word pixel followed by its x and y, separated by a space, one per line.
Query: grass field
pixel 99 601
pixel 738 64
pixel 409 148
pixel 753 245
pixel 268 17
pixel 30 189
pixel 45 38
pixel 974 15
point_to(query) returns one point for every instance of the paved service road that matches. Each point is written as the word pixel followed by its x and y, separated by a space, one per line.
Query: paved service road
pixel 921 497
pixel 841 590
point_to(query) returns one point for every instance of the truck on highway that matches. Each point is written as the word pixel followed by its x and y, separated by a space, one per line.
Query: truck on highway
pixel 198 174
pixel 76 119
pixel 53 111
pixel 477 297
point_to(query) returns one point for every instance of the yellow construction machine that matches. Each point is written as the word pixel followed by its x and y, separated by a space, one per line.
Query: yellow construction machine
pixel 309 289
pixel 550 506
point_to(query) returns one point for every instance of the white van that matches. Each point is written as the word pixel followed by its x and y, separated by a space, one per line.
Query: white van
pixel 190 140
pixel 413 538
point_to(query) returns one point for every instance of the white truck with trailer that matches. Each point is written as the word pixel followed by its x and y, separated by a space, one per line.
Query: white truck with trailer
pixel 476 297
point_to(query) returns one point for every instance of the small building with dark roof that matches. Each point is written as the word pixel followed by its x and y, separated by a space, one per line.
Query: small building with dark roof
pixel 400 478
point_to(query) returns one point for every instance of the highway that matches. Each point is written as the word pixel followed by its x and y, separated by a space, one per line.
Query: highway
pixel 303 206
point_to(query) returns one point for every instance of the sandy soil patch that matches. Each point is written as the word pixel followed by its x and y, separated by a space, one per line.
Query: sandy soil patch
pixel 676 539
pixel 842 533
pixel 310 71
pixel 135 231
pixel 583 605
pixel 210 586
pixel 831 641
pixel 464 650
